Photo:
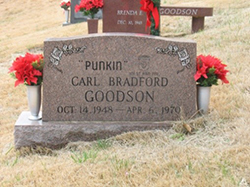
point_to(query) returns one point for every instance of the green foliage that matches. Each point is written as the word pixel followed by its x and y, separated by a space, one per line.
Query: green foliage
pixel 90 12
pixel 39 80
pixel 119 164
pixel 102 144
pixel 12 75
pixel 225 170
pixel 81 157
pixel 211 80
pixel 190 166
pixel 38 65
pixel 91 154
pixel 179 136
pixel 13 161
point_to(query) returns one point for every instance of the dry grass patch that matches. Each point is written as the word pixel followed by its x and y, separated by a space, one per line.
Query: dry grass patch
pixel 215 153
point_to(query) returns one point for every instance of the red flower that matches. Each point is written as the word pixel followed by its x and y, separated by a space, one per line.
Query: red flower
pixel 208 67
pixel 201 70
pixel 77 8
pixel 24 71
pixel 65 4
pixel 89 5
pixel 149 7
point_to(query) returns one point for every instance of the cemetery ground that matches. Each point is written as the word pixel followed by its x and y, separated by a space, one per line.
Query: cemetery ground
pixel 216 153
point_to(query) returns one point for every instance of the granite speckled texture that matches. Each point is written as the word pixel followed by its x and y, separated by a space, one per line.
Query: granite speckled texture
pixel 124 16
pixel 56 135
pixel 119 77
pixel 198 14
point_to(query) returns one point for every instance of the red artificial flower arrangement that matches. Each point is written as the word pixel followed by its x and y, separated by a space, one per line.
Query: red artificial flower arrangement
pixel 209 70
pixel 65 4
pixel 89 7
pixel 28 69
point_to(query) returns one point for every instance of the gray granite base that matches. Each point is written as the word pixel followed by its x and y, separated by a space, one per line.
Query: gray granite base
pixel 66 24
pixel 56 135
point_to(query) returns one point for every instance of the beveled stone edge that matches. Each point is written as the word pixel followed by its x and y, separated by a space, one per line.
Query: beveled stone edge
pixel 56 135
pixel 119 34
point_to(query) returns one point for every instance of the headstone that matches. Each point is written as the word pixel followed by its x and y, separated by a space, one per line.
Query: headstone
pixel 77 17
pixel 186 11
pixel 124 16
pixel 98 86
pixel 119 77
pixel 198 14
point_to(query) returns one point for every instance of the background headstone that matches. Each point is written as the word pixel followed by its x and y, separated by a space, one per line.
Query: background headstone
pixel 119 77
pixel 79 17
pixel 124 16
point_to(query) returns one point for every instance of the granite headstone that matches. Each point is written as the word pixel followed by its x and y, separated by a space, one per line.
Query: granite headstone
pixel 124 16
pixel 119 77
pixel 98 86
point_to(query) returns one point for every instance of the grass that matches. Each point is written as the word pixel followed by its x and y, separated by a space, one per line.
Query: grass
pixel 216 153
pixel 84 156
